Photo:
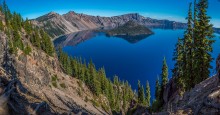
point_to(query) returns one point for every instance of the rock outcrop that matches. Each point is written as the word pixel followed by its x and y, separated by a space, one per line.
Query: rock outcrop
pixel 202 99
pixel 57 25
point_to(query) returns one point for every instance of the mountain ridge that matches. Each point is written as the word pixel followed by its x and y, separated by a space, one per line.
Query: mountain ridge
pixel 56 24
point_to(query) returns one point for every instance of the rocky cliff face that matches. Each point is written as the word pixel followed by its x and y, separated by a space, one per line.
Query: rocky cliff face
pixel 35 84
pixel 56 24
pixel 202 99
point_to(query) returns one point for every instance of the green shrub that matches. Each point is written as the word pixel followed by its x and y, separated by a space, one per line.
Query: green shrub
pixel 27 50
pixel 63 85
pixel 105 107
pixel 54 78
pixel 95 103
pixel 80 83
pixel 54 84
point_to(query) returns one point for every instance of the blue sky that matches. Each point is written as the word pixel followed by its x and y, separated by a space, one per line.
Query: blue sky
pixel 160 9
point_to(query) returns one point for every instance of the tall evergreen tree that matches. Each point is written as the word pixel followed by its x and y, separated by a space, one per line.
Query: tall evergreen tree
pixel 157 89
pixel 35 39
pixel 7 12
pixel 140 93
pixel 188 50
pixel 164 77
pixel 95 85
pixel 111 95
pixel 164 74
pixel 205 41
pixel 156 105
pixel 196 42
pixel 147 94
pixel 193 57
pixel 142 96
pixel 178 67
pixel 103 80
pixel 17 40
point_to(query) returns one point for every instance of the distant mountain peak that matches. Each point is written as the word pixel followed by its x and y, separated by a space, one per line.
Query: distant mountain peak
pixel 71 12
pixel 52 13
pixel 48 16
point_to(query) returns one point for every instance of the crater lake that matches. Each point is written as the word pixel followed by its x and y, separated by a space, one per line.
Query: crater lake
pixel 130 58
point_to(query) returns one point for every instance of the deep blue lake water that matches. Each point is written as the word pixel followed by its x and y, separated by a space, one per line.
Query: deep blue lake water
pixel 130 59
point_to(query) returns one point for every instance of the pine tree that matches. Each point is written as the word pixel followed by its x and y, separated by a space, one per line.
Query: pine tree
pixel 205 41
pixel 95 85
pixel 117 93
pixel 164 74
pixel 46 44
pixel 148 94
pixel 188 50
pixel 4 7
pixel 74 66
pixel 157 89
pixel 35 39
pixel 140 93
pixel 17 42
pixel 178 67
pixel 164 77
pixel 103 80
pixel 83 71
pixel 68 66
pixel 142 96
pixel 27 50
pixel 111 95
pixel 127 91
pixel 27 26
pixel 193 57
pixel 156 105
pixel 12 49
pixel 196 42
pixel 1 26
pixel 115 80
pixel 87 76
pixel 7 12
pixel 124 96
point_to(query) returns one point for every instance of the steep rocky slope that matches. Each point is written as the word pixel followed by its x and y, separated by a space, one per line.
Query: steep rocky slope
pixel 203 99
pixel 35 84
pixel 56 24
